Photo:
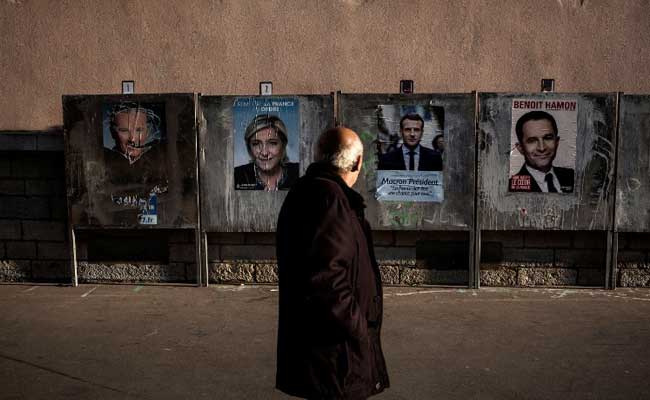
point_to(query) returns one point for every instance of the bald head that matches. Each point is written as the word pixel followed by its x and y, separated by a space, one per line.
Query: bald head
pixel 341 149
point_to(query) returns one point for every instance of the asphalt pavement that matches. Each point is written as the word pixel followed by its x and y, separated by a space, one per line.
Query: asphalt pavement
pixel 181 342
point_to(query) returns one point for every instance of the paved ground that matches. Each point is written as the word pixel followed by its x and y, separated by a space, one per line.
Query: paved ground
pixel 154 342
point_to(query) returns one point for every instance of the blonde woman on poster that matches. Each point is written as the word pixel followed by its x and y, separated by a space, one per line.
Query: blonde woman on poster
pixel 269 169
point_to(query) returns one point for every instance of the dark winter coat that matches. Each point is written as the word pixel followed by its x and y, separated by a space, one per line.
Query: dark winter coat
pixel 394 160
pixel 330 308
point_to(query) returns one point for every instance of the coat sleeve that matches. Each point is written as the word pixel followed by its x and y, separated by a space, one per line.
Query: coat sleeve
pixel 332 258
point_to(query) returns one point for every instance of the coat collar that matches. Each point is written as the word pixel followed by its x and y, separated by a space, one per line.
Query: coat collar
pixel 322 170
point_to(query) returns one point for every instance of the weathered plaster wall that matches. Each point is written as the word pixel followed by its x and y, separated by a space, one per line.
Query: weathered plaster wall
pixel 55 47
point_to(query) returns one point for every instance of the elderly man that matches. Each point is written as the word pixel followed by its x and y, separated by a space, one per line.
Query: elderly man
pixel 538 141
pixel 411 156
pixel 330 308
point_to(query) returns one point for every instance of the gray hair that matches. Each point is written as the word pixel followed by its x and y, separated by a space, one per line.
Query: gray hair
pixel 153 120
pixel 334 151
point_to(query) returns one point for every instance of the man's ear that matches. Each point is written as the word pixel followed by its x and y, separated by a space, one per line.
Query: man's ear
pixel 357 165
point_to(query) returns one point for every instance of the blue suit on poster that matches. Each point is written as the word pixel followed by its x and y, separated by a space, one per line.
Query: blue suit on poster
pixel 394 160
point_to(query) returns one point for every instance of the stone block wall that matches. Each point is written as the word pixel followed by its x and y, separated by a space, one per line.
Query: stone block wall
pixel 405 257
pixel 148 255
pixel 543 258
pixel 33 216
pixel 511 258
pixel 241 258
pixel 633 267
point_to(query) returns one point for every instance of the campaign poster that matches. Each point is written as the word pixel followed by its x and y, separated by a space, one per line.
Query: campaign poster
pixel 131 129
pixel 132 135
pixel 410 153
pixel 543 145
pixel 266 137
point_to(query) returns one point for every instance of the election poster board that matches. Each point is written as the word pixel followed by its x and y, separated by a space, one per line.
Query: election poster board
pixel 437 191
pixel 266 150
pixel 515 191
pixel 253 149
pixel 543 145
pixel 131 160
pixel 410 145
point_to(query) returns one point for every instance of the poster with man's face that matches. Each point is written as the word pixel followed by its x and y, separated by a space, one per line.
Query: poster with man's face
pixel 410 153
pixel 131 129
pixel 132 133
pixel 543 146
pixel 266 137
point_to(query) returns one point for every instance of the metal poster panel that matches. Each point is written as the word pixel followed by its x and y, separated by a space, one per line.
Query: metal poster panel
pixel 418 168
pixel 633 172
pixel 131 160
pixel 252 149
pixel 546 160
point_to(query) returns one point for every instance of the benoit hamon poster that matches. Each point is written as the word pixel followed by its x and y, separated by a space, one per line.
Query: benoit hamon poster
pixel 543 145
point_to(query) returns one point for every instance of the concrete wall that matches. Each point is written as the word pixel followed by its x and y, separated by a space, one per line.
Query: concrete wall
pixel 53 47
